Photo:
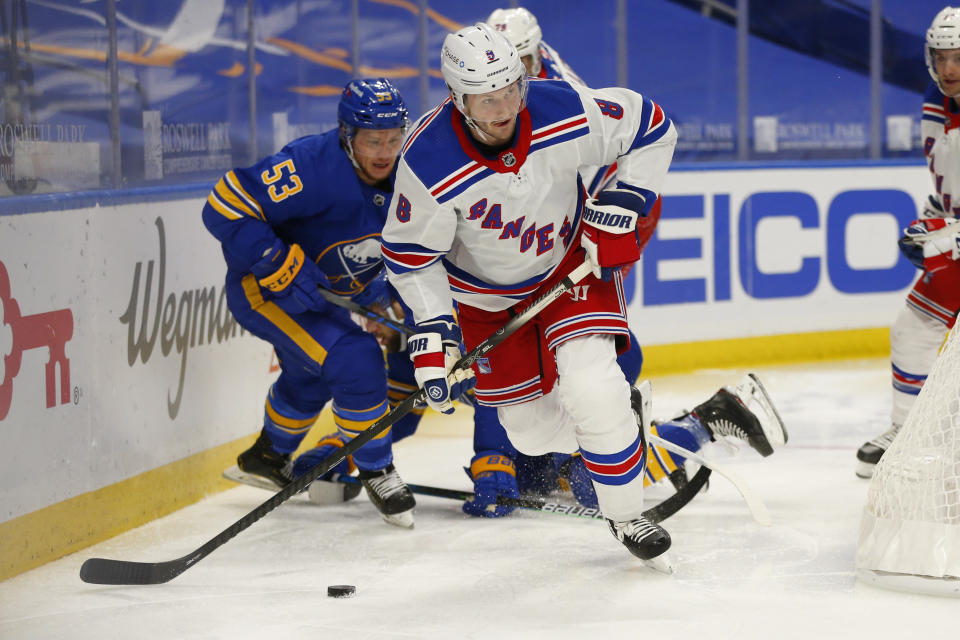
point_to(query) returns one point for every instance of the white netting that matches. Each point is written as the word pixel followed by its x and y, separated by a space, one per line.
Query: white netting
pixel 911 522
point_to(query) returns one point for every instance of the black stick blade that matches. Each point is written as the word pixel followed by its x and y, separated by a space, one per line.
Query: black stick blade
pixel 105 571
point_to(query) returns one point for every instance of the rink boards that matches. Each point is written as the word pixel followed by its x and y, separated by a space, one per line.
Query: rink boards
pixel 127 386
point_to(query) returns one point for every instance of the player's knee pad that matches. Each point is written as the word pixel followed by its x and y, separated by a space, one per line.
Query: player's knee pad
pixel 539 426
pixel 592 387
pixel 915 339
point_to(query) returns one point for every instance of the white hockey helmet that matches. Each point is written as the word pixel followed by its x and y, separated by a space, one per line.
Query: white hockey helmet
pixel 520 27
pixel 944 33
pixel 478 60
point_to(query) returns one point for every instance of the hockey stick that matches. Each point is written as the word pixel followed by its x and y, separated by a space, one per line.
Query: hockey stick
pixel 757 509
pixel 107 571
pixel 368 313
pixel 657 513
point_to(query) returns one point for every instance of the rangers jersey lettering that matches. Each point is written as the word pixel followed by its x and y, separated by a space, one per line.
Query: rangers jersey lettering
pixel 489 230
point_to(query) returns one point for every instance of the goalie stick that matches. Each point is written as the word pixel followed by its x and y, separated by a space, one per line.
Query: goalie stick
pixel 656 513
pixel 109 571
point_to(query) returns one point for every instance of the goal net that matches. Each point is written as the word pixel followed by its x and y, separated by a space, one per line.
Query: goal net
pixel 910 531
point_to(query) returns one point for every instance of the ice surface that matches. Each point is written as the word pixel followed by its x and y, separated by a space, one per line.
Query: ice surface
pixel 531 575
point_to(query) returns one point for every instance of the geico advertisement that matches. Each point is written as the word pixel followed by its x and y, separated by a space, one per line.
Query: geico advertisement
pixel 766 252
pixel 117 351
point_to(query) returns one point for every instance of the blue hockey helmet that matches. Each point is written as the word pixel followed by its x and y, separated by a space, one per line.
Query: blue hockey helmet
pixel 371 103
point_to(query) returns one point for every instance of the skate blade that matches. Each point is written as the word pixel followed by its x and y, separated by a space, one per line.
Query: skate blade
pixel 324 492
pixel 660 564
pixel 755 397
pixel 404 519
pixel 238 475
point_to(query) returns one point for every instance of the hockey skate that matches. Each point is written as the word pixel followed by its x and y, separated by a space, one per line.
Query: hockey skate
pixel 645 540
pixel 870 453
pixel 744 412
pixel 262 467
pixel 390 495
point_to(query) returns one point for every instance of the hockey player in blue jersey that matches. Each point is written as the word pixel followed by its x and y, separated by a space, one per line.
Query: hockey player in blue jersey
pixel 309 216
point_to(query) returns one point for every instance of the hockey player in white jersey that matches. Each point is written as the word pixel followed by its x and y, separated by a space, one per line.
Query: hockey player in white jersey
pixel 932 243
pixel 489 207
pixel 521 28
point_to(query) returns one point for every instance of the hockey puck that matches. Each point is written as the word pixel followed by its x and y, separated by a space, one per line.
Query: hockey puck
pixel 341 591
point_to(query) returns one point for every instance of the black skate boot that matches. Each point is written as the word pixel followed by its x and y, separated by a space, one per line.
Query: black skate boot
pixel 641 537
pixel 870 453
pixel 390 495
pixel 260 466
pixel 745 412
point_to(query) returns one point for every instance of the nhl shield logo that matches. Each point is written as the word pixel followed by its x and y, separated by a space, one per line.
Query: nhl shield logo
pixel 509 159
pixel 379 199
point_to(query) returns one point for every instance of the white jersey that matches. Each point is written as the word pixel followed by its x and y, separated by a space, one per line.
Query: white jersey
pixel 940 128
pixel 553 67
pixel 488 230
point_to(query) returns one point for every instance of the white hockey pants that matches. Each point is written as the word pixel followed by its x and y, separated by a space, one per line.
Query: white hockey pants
pixel 915 339
pixel 589 407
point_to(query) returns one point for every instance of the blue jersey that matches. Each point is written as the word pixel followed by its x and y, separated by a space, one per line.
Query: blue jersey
pixel 309 194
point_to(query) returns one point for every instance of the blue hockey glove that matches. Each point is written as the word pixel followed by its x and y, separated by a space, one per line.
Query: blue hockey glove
pixel 324 449
pixel 291 278
pixel 493 476
pixel 434 350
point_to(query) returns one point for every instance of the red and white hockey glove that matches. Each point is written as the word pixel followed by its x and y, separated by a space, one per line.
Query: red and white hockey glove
pixel 617 226
pixel 434 351
pixel 937 240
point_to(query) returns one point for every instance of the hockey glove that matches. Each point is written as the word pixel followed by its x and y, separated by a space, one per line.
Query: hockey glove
pixel 434 350
pixel 932 243
pixel 493 476
pixel 327 446
pixel 932 208
pixel 618 224
pixel 291 278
